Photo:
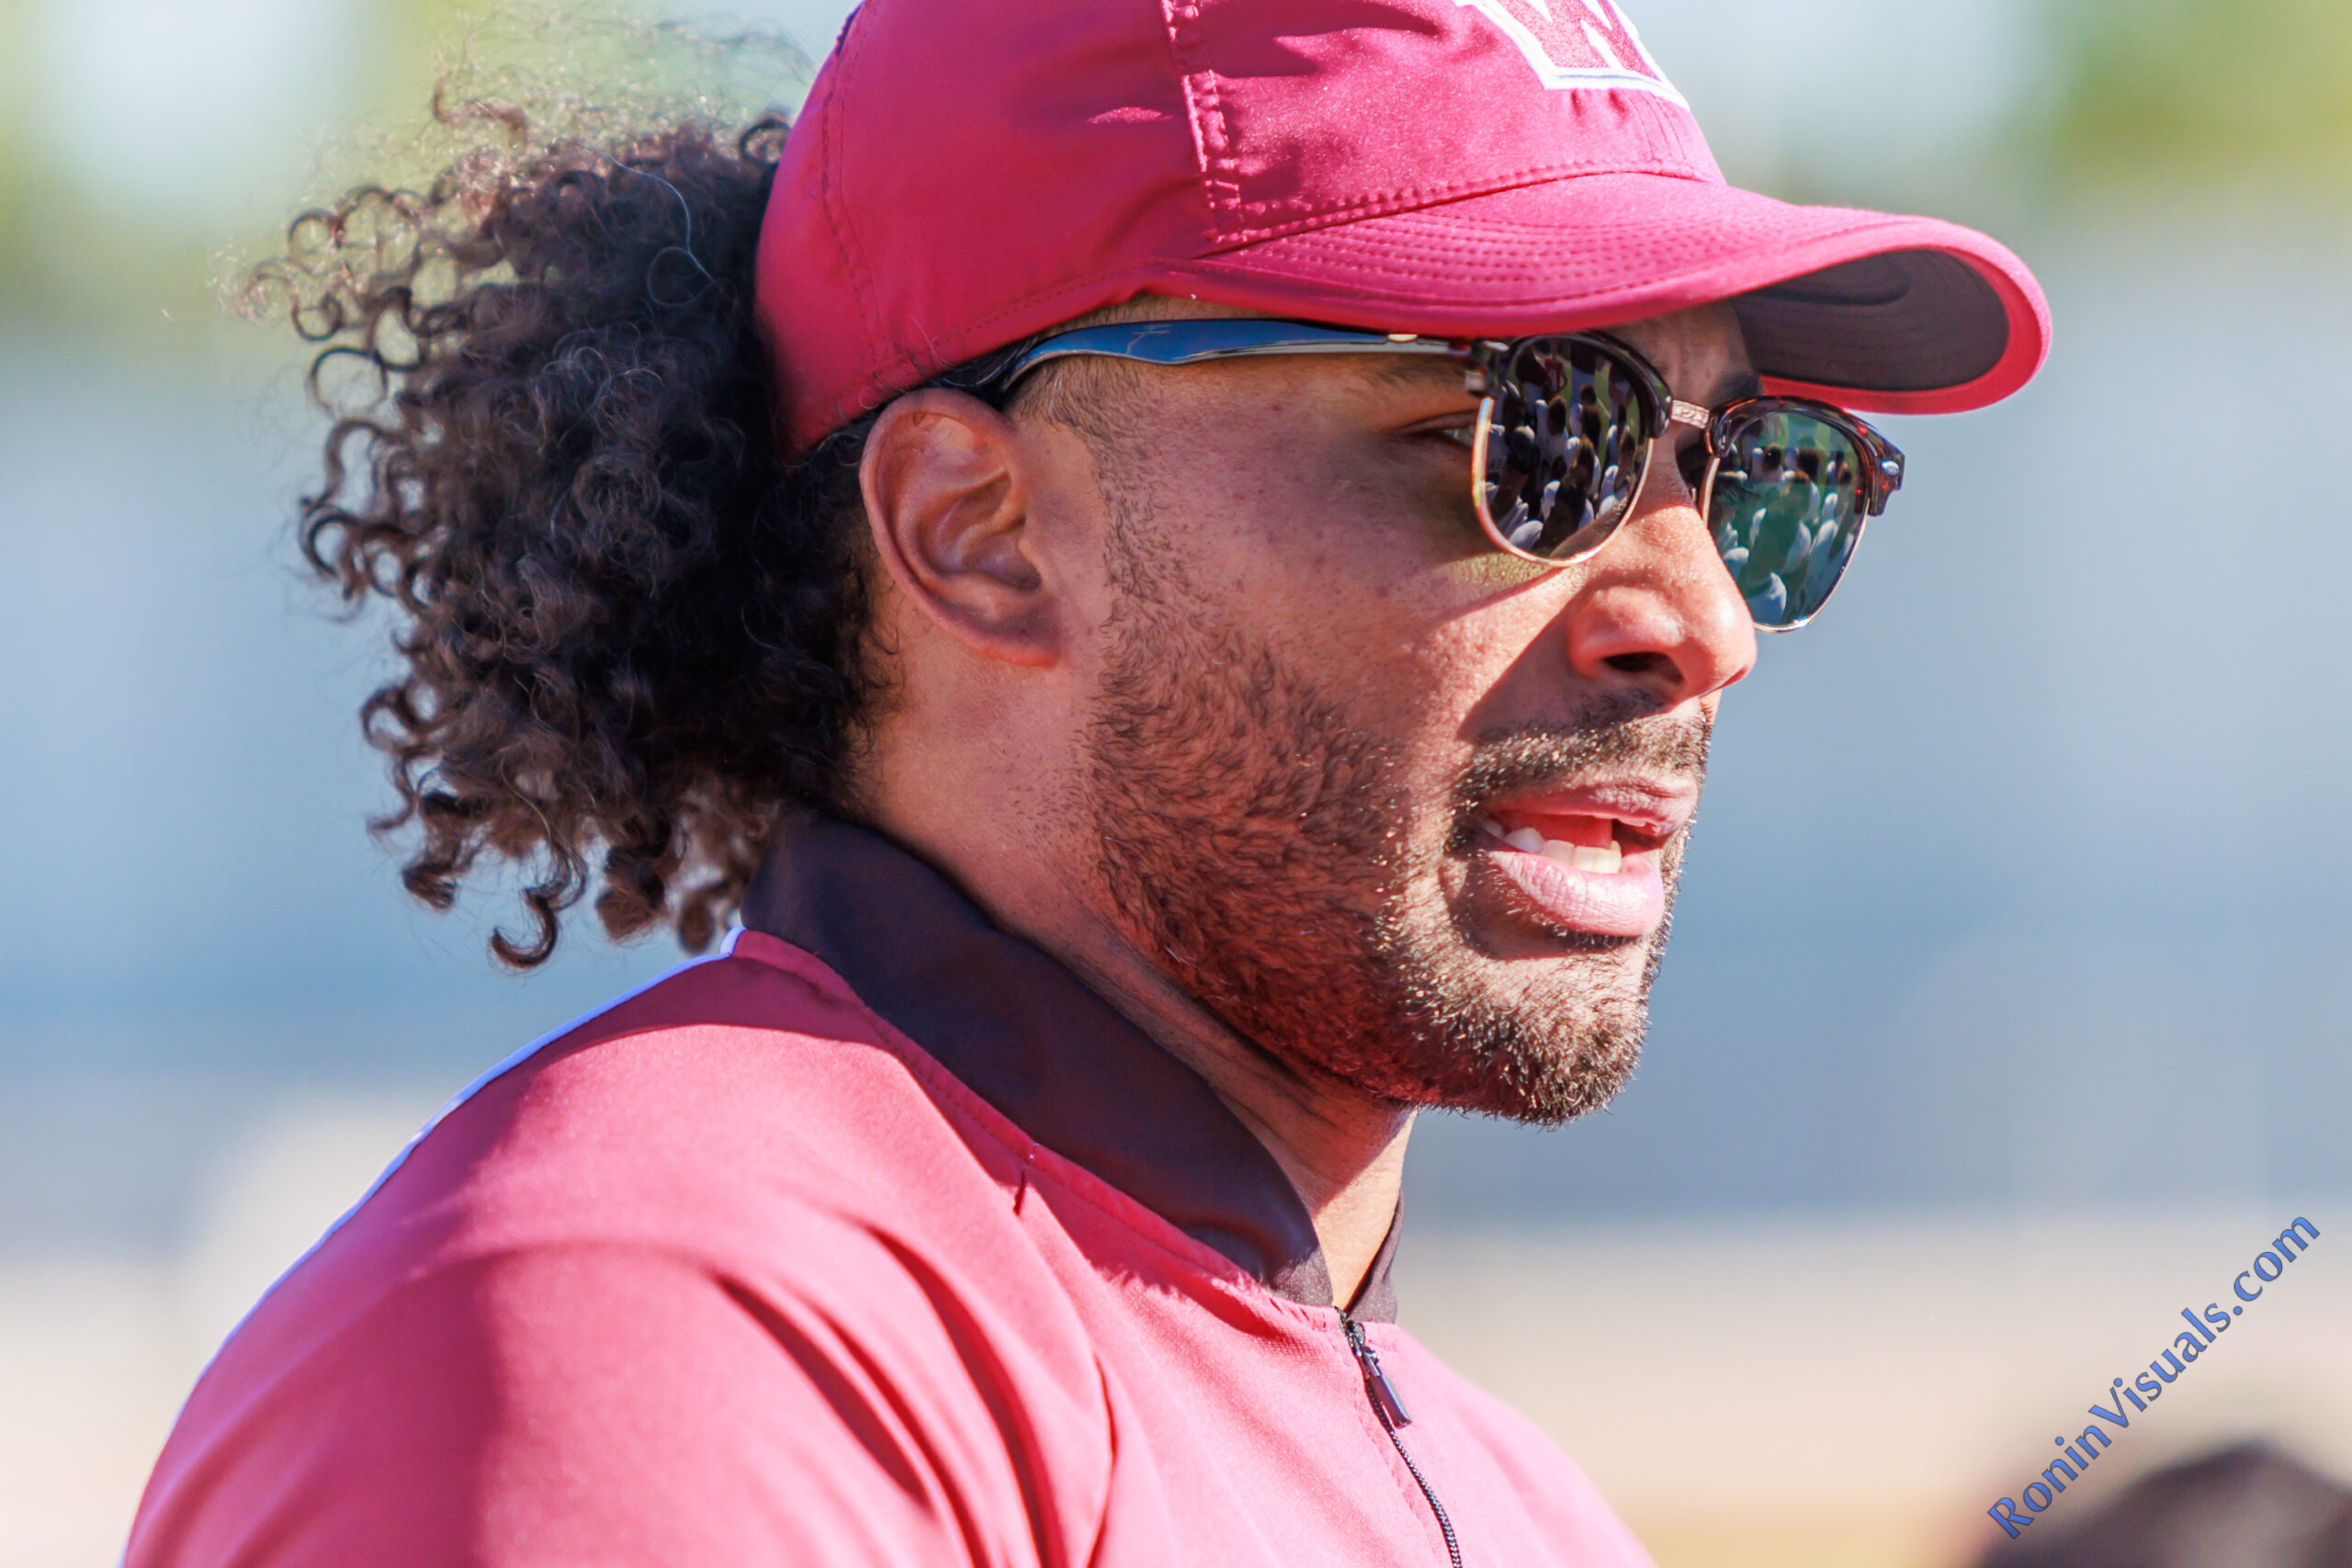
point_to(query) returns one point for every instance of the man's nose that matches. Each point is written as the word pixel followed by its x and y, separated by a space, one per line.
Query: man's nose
pixel 1657 609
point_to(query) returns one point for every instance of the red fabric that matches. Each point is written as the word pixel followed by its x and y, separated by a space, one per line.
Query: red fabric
pixel 967 173
pixel 734 1273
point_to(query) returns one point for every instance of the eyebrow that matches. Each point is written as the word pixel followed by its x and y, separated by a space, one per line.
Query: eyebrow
pixel 1411 369
pixel 1415 370
pixel 1738 384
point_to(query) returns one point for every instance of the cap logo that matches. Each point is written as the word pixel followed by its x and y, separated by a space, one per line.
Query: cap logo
pixel 1577 44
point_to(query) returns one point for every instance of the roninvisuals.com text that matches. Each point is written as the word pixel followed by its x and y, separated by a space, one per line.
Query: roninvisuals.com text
pixel 2127 1398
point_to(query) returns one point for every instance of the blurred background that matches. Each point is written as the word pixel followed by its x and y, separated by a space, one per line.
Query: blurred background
pixel 2006 1012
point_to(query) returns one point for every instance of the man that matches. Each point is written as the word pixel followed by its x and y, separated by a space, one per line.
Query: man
pixel 1217 654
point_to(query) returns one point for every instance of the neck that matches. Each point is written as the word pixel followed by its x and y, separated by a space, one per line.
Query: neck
pixel 1343 1150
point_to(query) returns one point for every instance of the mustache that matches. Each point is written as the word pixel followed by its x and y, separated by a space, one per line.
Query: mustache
pixel 1538 757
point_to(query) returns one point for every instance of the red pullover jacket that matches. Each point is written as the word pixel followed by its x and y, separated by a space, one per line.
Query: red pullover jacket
pixel 878 1240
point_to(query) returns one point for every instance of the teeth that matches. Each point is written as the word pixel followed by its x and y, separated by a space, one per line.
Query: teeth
pixel 1489 827
pixel 1607 858
pixel 1584 857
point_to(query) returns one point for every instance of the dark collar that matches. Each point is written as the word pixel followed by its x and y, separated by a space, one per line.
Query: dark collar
pixel 1027 1036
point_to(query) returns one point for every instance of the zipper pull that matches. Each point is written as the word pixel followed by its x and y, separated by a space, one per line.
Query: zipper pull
pixel 1383 1396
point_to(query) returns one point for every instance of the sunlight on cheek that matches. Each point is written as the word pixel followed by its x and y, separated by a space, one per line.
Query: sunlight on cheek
pixel 1490 570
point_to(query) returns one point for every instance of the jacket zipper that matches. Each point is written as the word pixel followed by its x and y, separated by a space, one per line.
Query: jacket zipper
pixel 1390 1408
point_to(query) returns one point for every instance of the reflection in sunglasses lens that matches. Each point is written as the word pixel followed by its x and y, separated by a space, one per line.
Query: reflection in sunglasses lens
pixel 1564 452
pixel 1786 513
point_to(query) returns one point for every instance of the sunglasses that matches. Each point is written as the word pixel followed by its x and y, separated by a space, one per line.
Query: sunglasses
pixel 1567 425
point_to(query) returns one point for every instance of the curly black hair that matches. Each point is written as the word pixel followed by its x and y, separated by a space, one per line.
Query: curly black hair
pixel 625 628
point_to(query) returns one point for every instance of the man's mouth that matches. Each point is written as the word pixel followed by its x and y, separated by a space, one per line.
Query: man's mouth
pixel 1586 863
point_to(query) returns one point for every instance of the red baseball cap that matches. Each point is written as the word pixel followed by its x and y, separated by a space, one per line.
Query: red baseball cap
pixel 968 173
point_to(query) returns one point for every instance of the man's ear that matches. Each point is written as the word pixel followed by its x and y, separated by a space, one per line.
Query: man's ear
pixel 948 495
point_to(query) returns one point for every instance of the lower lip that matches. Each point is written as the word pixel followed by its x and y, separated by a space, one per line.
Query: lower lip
pixel 1630 902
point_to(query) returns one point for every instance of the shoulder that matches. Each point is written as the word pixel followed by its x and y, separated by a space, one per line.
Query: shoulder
pixel 699 1114
pixel 745 1115
pixel 657 1278
pixel 598 1402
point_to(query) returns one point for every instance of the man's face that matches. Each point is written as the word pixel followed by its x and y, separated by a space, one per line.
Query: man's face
pixel 1400 808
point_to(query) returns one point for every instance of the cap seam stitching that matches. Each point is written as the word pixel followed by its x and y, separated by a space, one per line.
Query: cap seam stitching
pixel 1668 280
pixel 1408 198
pixel 846 51
pixel 1171 27
pixel 1212 129
pixel 1376 250
pixel 1325 240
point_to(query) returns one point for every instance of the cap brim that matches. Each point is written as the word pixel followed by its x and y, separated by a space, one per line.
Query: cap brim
pixel 1870 310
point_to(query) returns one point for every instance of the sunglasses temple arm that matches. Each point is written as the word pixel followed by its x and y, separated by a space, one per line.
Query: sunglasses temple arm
pixel 1163 343
pixel 1478 440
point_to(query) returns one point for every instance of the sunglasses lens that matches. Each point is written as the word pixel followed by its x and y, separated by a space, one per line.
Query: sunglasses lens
pixel 1565 446
pixel 1787 511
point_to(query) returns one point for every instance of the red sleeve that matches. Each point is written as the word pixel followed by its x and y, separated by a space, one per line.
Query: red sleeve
pixel 595 1403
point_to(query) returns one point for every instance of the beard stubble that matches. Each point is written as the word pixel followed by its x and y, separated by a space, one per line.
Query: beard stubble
pixel 1258 846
